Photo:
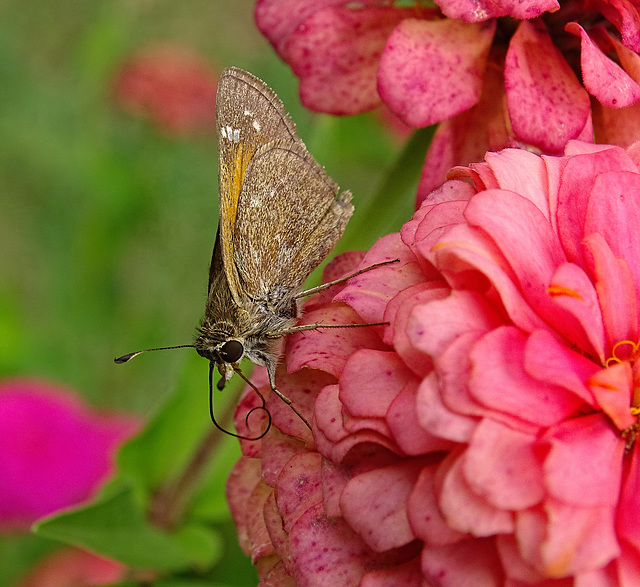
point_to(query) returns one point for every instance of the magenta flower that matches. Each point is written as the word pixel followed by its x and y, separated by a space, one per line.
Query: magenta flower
pixel 55 451
pixel 171 86
pixel 495 74
pixel 489 434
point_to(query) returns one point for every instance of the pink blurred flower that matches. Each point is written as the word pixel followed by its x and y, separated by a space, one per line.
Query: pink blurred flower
pixel 55 450
pixel 172 86
pixel 489 434
pixel 495 74
pixel 73 567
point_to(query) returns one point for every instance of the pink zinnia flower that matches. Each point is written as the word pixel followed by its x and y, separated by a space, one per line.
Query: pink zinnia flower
pixel 55 450
pixel 489 435
pixel 173 87
pixel 496 74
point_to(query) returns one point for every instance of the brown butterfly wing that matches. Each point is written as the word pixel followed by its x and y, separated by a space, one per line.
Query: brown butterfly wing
pixel 289 217
pixel 248 115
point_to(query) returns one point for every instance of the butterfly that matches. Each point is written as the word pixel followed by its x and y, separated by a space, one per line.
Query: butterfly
pixel 280 216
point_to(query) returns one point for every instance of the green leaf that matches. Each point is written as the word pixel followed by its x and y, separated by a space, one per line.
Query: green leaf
pixel 116 527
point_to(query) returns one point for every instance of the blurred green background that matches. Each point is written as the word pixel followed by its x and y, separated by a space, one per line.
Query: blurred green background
pixel 107 223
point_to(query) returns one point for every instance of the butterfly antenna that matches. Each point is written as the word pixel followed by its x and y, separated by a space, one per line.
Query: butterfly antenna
pixel 129 356
pixel 262 407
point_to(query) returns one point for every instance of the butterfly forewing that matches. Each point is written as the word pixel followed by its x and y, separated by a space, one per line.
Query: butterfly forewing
pixel 285 187
pixel 248 115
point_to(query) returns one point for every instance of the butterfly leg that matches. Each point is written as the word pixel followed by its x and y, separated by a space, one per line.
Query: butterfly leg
pixel 324 286
pixel 271 370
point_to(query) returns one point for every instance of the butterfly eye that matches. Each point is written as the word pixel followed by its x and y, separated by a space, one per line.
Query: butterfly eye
pixel 231 351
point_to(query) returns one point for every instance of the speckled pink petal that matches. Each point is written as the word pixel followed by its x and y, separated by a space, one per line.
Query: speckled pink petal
pixel 592 450
pixel 433 70
pixel 370 382
pixel 411 437
pixel 469 562
pixel 604 78
pixel 375 504
pixel 278 19
pixel 279 538
pixel 327 551
pixel 277 449
pixel 369 292
pixel 243 479
pixel 299 487
pixel 624 15
pixel 424 515
pixel 547 105
pixel 335 53
pixel 328 349
pixel 470 11
pixel 259 538
pixel 465 510
pixel 501 465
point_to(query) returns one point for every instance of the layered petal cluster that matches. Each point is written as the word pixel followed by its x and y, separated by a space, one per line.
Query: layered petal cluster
pixel 171 86
pixel 489 434
pixel 536 73
pixel 55 450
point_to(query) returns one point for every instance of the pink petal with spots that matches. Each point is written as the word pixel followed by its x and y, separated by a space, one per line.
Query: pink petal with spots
pixel 470 562
pixel 425 516
pixel 327 350
pixel 604 78
pixel 592 451
pixel 375 505
pixel 279 538
pixel 327 551
pixel 371 381
pixel 259 538
pixel 465 510
pixel 335 53
pixel 501 466
pixel 470 11
pixel 503 385
pixel 242 480
pixel 432 70
pixel 547 105
pixel 277 449
pixel 369 293
pixel 299 487
pixel 624 15
pixel 278 19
